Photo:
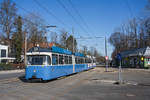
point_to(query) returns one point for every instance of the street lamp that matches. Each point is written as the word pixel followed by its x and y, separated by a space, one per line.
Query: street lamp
pixel 49 26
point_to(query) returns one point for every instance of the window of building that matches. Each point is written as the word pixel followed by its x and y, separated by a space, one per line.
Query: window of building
pixel 54 59
pixel 3 53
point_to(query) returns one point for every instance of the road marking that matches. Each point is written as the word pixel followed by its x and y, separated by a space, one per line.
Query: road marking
pixel 130 95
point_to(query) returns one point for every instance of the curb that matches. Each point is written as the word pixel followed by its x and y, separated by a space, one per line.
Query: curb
pixel 139 69
pixel 12 71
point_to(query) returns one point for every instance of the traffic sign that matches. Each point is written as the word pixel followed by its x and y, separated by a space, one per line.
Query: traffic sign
pixel 106 57
pixel 119 56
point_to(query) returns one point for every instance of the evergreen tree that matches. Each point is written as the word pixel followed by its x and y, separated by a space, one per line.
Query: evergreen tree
pixel 69 43
pixel 18 39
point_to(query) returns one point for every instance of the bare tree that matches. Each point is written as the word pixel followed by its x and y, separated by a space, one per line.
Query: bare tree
pixel 126 37
pixel 54 37
pixel 63 38
pixel 84 50
pixel 7 17
pixel 36 29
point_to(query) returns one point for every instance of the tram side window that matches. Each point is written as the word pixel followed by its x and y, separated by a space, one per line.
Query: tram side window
pixel 79 60
pixel 48 60
pixel 37 60
pixel 61 60
pixel 54 59
pixel 70 60
pixel 89 60
pixel 82 60
pixel 66 59
pixel 86 60
pixel 76 60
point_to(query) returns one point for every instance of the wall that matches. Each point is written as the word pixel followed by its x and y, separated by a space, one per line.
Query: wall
pixel 3 47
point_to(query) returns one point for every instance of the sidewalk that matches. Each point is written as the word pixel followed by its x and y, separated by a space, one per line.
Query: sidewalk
pixel 12 71
pixel 132 69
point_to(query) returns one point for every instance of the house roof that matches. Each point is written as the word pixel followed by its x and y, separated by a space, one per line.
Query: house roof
pixel 136 52
pixel 42 45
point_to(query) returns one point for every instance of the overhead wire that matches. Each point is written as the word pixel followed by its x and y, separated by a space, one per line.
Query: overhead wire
pixel 129 7
pixel 27 11
pixel 77 12
pixel 69 13
pixel 49 12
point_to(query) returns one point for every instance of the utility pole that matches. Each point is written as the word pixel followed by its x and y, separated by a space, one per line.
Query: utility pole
pixel 25 47
pixel 48 26
pixel 106 58
pixel 120 77
pixel 119 70
pixel 73 57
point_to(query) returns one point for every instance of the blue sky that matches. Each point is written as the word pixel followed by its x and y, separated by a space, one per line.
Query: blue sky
pixel 102 17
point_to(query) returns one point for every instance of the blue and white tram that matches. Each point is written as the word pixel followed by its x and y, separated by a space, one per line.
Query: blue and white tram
pixel 54 62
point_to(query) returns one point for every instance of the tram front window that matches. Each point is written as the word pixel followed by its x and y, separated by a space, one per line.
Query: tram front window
pixel 39 60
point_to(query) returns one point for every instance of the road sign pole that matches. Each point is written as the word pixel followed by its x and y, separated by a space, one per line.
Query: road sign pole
pixel 73 51
pixel 119 69
pixel 106 60
pixel 120 78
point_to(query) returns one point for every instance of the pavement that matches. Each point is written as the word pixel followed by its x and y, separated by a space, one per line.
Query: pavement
pixel 12 71
pixel 11 74
pixel 94 84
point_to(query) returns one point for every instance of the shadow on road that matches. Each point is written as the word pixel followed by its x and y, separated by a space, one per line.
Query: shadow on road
pixel 34 80
pixel 22 78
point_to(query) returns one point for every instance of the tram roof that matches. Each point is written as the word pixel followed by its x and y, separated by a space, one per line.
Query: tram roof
pixel 51 49
pixel 79 54
pixel 39 49
pixel 55 49
pixel 60 50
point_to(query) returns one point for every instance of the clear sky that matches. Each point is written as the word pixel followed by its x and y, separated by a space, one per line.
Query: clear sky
pixel 102 17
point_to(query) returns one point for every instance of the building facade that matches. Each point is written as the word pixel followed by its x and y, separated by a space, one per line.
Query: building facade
pixel 4 58
pixel 3 52
pixel 137 58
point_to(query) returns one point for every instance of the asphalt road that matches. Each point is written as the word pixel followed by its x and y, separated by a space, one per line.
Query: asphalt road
pixel 95 84
pixel 10 75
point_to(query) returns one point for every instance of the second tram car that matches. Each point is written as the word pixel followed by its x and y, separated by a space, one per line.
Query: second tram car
pixel 54 62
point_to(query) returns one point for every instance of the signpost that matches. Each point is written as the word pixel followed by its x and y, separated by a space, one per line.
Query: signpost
pixel 106 58
pixel 119 72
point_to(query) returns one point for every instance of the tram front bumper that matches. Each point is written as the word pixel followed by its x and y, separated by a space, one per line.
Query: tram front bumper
pixel 36 72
